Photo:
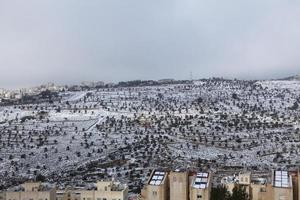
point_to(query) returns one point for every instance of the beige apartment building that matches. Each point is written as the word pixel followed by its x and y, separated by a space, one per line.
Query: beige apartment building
pixel 68 194
pixel 200 186
pixel 157 186
pixel 177 185
pixel 32 191
pixel 2 195
pixel 279 188
pixel 105 190
pixel 282 185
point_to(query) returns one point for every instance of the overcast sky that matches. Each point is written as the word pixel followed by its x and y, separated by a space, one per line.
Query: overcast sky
pixel 69 41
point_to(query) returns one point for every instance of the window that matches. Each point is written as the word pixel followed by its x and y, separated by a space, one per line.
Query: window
pixel 263 190
pixel 154 193
pixel 246 179
pixel 199 196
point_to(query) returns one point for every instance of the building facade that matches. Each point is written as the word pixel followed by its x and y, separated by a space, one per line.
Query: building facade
pixel 105 190
pixel 200 187
pixel 32 191
pixel 177 185
pixel 283 185
pixel 156 187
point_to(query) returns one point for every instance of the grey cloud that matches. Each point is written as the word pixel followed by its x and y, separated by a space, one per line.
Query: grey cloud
pixel 71 41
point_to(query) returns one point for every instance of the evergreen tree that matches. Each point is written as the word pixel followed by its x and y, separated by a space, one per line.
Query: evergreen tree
pixel 220 193
pixel 239 193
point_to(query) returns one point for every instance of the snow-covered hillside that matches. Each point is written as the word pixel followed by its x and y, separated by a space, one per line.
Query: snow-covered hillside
pixel 125 132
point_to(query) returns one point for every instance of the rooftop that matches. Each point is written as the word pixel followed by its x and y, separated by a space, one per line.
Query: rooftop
pixel 281 179
pixel 157 178
pixel 201 180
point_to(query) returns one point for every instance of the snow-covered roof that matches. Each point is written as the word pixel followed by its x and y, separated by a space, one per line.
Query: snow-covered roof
pixel 157 178
pixel 201 180
pixel 281 179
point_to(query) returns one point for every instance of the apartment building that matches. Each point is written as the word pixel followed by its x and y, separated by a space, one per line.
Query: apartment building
pixel 282 185
pixel 105 190
pixel 2 195
pixel 157 187
pixel 200 187
pixel 68 194
pixel 279 187
pixel 177 185
pixel 32 191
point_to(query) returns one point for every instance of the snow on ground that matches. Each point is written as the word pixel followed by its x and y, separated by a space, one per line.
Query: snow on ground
pixel 115 131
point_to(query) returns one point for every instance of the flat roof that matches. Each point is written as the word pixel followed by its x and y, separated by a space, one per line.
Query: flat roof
pixel 201 180
pixel 281 179
pixel 157 178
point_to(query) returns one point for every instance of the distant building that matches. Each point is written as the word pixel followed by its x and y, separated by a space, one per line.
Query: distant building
pixel 93 84
pixel 166 81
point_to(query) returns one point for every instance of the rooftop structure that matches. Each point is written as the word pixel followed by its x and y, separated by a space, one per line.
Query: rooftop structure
pixel 281 179
pixel 200 186
pixel 157 178
pixel 201 180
